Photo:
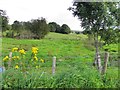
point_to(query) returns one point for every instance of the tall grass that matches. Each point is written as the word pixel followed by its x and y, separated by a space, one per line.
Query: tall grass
pixel 73 65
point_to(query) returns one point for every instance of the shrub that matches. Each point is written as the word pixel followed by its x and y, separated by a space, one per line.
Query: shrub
pixel 10 34
pixel 65 29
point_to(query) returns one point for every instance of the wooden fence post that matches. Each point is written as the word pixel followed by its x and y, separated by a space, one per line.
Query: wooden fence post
pixel 99 62
pixel 9 62
pixel 105 62
pixel 53 65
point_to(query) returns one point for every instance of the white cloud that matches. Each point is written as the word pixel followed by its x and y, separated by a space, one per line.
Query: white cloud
pixel 52 10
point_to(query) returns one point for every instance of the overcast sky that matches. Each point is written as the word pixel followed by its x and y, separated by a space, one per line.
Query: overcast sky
pixel 52 10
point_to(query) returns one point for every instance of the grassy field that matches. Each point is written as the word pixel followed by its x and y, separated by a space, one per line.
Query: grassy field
pixel 74 57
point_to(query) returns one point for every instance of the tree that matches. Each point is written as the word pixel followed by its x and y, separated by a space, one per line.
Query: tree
pixel 95 16
pixel 65 29
pixel 17 26
pixel 36 28
pixel 3 20
pixel 39 27
pixel 27 25
pixel 58 28
pixel 54 27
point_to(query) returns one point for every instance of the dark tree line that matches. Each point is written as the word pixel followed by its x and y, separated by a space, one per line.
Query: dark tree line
pixel 64 29
pixel 35 28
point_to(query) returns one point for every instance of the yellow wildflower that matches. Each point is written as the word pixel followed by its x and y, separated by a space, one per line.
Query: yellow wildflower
pixel 22 51
pixel 42 60
pixel 15 57
pixel 34 50
pixel 6 58
pixel 16 67
pixel 15 49
pixel 35 58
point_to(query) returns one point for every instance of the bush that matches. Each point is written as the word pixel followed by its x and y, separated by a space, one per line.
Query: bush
pixel 65 29
pixel 26 34
pixel 9 34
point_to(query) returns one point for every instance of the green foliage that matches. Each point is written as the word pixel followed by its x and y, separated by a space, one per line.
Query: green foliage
pixel 110 37
pixel 17 26
pixel 65 29
pixel 52 26
pixel 4 23
pixel 36 28
pixel 58 29
pixel 110 79
pixel 26 34
pixel 79 76
pixel 39 28
pixel 10 34
pixel 111 48
pixel 3 20
pixel 96 16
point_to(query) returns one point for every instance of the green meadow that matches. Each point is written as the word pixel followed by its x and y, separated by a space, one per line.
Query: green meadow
pixel 74 63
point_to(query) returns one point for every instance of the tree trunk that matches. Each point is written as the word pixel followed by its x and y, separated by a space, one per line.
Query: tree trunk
pixel 97 61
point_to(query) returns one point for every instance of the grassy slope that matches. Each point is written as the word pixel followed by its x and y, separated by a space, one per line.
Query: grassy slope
pixel 67 48
pixel 70 51
pixel 58 45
